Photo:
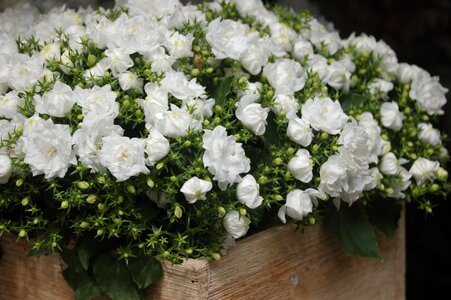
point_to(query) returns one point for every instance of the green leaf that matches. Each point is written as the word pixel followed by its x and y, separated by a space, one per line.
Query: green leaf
pixel 222 90
pixel 384 214
pixel 353 230
pixel 350 100
pixel 78 278
pixel 145 270
pixel 86 249
pixel 114 279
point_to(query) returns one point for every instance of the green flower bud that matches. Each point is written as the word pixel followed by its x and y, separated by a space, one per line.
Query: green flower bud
pixel 99 232
pixel 82 185
pixel 19 130
pixel 178 212
pixel 189 251
pixel 91 199
pixel 19 182
pixel 195 72
pixel 209 70
pixel 216 256
pixel 25 201
pixel 131 189
pixel 159 166
pixel 196 48
pixel 101 206
pixel 101 180
pixel 312 220
pixel 277 161
pixel 291 151
pixel 84 225
pixel 221 210
pixel 173 178
pixel 91 61
pixel 64 204
pixel 126 103
pixel 120 199
pixel 389 191
pixel 315 148
pixel 262 180
pixel 22 233
pixel 218 109
pixel 278 198
pixel 324 136
pixel 150 183
pixel 442 174
pixel 243 211
pixel 434 188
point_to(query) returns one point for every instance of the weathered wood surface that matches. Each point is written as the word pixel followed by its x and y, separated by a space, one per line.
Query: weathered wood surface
pixel 279 263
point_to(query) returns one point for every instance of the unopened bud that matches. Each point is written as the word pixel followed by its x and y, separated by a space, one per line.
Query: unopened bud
pixel 150 183
pixel 216 256
pixel 82 185
pixel 91 199
pixel 178 212
pixel 131 189
pixel 64 204
pixel 442 174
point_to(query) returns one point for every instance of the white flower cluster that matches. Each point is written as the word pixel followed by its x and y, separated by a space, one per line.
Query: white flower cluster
pixel 68 86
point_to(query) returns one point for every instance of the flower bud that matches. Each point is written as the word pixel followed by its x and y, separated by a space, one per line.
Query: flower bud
pixel 434 188
pixel 216 256
pixel 178 212
pixel 64 204
pixel 22 233
pixel 25 201
pixel 84 225
pixel 91 199
pixel 131 189
pixel 150 183
pixel 221 210
pixel 442 174
pixel 82 185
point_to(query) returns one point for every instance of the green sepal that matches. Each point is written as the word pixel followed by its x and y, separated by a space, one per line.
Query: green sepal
pixel 352 229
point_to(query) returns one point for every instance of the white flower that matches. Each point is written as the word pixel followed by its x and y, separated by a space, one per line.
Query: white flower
pixel 123 157
pixel 373 132
pixel 252 115
pixel 407 73
pixel 249 7
pixel 155 103
pixel 5 168
pixel 380 87
pixel 356 145
pixel 318 64
pixel 301 49
pixel 285 76
pixel 324 114
pixel 299 131
pixel 128 80
pixel 255 56
pixel 195 189
pixel 334 176
pixel 57 103
pixel 235 224
pixel 51 51
pixel 224 157
pixel 9 104
pixel 429 134
pixel 118 60
pixel 400 184
pixel 285 104
pixel 282 35
pixel 247 192
pixel 174 123
pixel 88 139
pixel 227 38
pixel 390 164
pixel 424 169
pixel 152 7
pixel 301 166
pixel 179 45
pixel 363 43
pixel 391 117
pixel 156 146
pixel 48 149
pixel 338 76
pixel 25 71
pixel 177 84
pixel 429 93
pixel 298 205
pixel 98 100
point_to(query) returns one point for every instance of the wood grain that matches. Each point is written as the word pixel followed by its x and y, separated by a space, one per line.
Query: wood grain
pixel 279 263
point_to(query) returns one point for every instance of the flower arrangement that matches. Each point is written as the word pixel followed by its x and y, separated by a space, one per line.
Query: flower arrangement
pixel 161 131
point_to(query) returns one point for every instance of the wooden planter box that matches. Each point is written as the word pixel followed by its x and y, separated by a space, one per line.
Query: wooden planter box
pixel 279 263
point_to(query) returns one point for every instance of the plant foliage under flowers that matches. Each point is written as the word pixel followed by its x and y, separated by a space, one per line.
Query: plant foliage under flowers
pixel 160 131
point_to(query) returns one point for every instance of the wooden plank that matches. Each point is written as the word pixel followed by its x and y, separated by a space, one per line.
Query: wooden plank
pixel 279 263
pixel 30 278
